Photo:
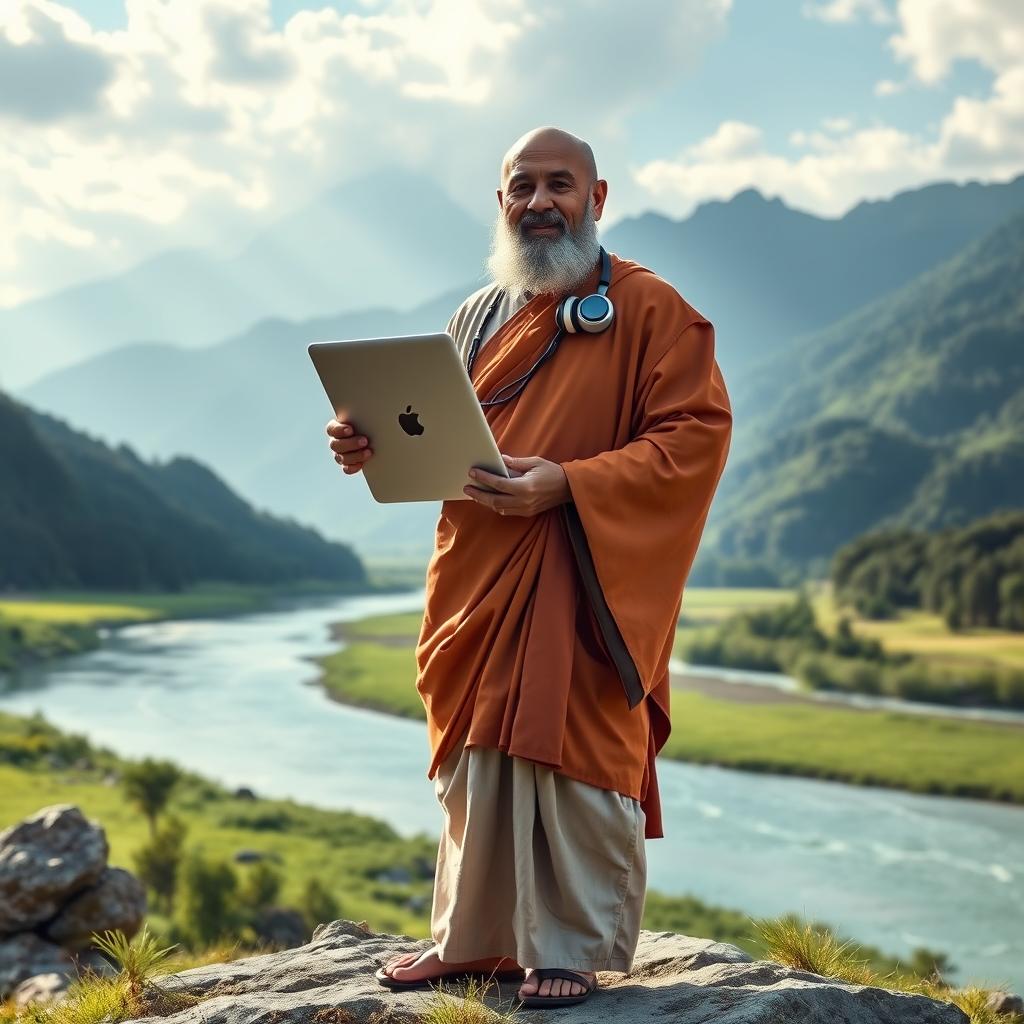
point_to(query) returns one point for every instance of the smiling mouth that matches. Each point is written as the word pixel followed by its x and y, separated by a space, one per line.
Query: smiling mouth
pixel 553 228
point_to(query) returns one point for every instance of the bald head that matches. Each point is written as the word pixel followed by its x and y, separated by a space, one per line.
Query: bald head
pixel 550 143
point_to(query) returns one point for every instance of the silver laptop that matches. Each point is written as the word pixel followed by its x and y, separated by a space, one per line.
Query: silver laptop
pixel 413 399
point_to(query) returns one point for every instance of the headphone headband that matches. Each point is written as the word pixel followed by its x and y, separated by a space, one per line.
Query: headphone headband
pixel 567 318
pixel 606 272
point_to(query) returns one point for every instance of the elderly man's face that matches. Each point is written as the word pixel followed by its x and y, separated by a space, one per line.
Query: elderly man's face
pixel 545 233
pixel 545 192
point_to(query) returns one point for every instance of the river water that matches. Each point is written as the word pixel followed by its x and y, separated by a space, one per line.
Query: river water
pixel 236 699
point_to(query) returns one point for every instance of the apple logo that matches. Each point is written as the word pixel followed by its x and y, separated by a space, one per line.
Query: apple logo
pixel 410 421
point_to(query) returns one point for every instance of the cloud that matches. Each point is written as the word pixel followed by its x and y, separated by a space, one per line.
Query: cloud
pixel 202 117
pixel 45 74
pixel 242 55
pixel 932 36
pixel 977 138
pixel 845 11
pixel 887 87
pixel 833 173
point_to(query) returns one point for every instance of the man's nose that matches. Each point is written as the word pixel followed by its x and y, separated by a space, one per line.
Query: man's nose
pixel 540 200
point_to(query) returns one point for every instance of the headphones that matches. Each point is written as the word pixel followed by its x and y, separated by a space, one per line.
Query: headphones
pixel 589 315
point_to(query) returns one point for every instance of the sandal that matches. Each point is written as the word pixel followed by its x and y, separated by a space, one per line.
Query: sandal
pixel 513 974
pixel 566 975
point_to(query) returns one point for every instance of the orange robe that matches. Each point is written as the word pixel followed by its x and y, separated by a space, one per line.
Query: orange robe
pixel 515 646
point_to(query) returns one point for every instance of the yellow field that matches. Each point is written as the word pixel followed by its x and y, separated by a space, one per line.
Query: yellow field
pixel 704 606
pixel 66 611
pixel 926 634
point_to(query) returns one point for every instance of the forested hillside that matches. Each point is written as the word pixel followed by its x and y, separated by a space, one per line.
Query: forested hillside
pixel 972 576
pixel 909 412
pixel 77 513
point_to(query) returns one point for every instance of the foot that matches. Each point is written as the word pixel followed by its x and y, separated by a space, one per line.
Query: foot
pixel 553 986
pixel 415 966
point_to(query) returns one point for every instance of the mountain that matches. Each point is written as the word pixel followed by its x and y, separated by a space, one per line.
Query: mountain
pixel 253 408
pixel 393 238
pixel 77 513
pixel 760 270
pixel 764 273
pixel 909 412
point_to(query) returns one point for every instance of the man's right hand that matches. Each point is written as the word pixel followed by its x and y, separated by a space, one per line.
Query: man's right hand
pixel 350 449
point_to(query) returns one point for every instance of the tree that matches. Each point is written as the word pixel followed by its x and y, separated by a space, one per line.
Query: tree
pixel 1011 601
pixel 148 785
pixel 952 614
pixel 980 594
pixel 260 887
pixel 318 903
pixel 157 862
pixel 207 907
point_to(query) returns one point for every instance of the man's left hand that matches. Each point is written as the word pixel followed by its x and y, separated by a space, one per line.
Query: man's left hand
pixel 536 486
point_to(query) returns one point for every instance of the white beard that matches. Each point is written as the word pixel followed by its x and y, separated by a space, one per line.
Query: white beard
pixel 524 265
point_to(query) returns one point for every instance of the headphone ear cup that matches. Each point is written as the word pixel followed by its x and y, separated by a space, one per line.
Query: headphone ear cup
pixel 594 313
pixel 564 315
pixel 589 315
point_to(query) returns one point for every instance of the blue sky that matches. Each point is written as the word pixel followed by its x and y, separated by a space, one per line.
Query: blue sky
pixel 796 72
pixel 196 122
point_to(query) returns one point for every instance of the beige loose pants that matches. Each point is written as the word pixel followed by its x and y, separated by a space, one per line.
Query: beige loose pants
pixel 535 865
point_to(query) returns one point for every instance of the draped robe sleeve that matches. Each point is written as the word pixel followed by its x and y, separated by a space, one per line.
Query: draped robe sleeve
pixel 549 636
pixel 642 507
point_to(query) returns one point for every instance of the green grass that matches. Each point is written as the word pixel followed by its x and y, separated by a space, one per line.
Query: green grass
pixel 112 607
pixel 35 627
pixel 406 624
pixel 925 634
pixel 371 676
pixel 804 947
pixel 915 752
pixel 704 608
pixel 344 849
pixel 711 604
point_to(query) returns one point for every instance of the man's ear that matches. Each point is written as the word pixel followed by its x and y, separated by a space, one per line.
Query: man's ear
pixel 501 201
pixel 599 194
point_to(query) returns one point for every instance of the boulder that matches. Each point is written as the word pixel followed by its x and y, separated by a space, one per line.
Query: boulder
pixel 116 902
pixel 282 926
pixel 1005 1002
pixel 45 860
pixel 42 988
pixel 26 955
pixel 674 978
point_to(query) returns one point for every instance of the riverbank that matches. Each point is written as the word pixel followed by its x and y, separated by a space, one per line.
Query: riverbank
pixel 238 700
pixel 790 641
pixel 732 725
pixel 374 874
pixel 38 626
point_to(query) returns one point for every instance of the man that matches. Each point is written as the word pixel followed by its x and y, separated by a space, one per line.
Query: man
pixel 553 596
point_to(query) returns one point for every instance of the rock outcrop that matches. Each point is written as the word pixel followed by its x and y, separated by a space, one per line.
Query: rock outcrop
pixel 56 889
pixel 675 978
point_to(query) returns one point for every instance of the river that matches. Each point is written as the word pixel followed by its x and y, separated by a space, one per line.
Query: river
pixel 236 699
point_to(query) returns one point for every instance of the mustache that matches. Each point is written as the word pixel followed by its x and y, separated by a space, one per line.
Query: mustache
pixel 547 219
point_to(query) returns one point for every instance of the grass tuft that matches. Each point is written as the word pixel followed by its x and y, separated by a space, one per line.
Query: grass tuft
pixel 805 948
pixel 796 944
pixel 463 1003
